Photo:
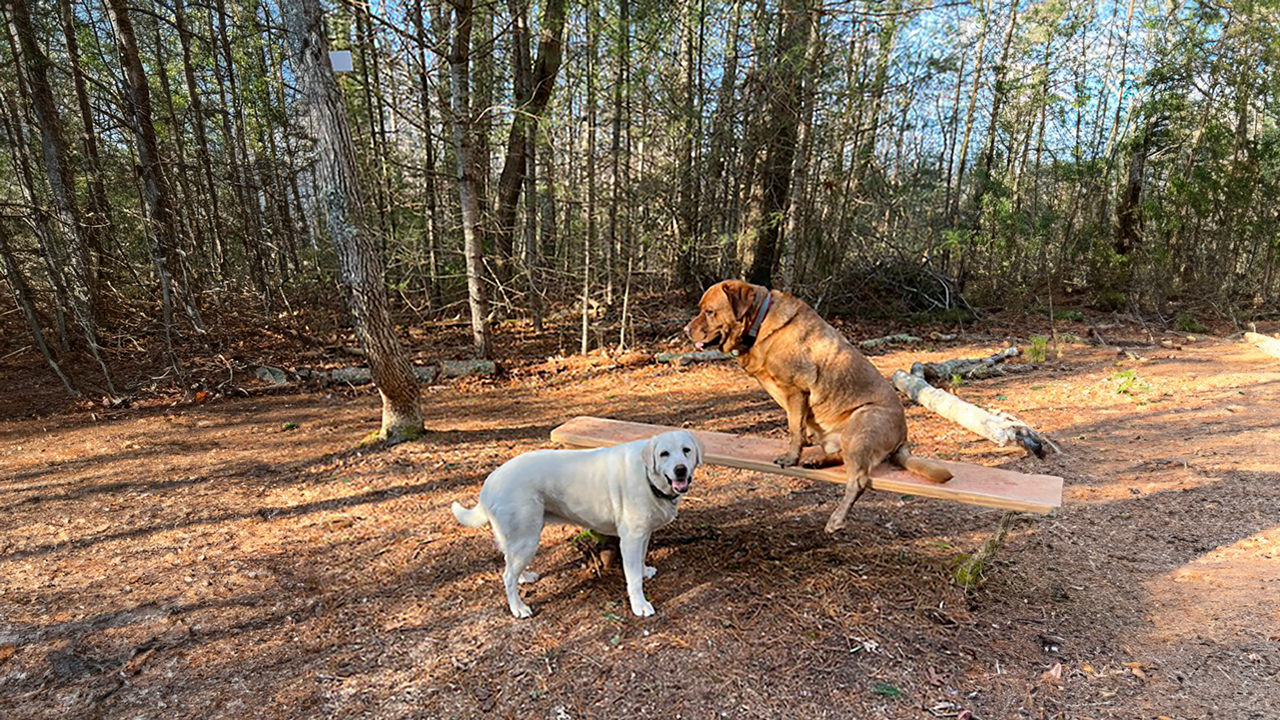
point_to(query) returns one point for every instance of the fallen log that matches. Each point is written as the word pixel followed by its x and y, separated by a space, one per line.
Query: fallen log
pixel 972 368
pixel 1265 343
pixel 684 358
pixel 999 427
pixel 899 338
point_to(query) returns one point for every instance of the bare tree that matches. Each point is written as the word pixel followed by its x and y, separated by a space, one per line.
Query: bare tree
pixel 158 198
pixel 72 262
pixel 780 127
pixel 468 175
pixel 359 261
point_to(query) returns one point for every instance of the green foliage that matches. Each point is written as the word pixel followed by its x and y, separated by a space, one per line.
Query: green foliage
pixel 1128 382
pixel 950 316
pixel 1109 300
pixel 968 571
pixel 1187 323
pixel 1039 348
pixel 884 689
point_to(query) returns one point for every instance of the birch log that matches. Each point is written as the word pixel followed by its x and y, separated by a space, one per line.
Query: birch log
pixel 999 428
pixel 684 358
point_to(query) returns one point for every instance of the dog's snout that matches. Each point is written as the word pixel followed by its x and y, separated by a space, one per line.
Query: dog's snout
pixel 681 471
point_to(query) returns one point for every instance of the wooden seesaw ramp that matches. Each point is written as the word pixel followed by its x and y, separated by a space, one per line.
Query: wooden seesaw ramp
pixel 972 484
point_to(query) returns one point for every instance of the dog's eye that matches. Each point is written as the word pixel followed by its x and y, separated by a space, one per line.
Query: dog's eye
pixel 686 451
pixel 663 454
pixel 708 313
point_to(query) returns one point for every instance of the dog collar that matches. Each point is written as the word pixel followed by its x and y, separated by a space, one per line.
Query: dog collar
pixel 749 337
pixel 659 494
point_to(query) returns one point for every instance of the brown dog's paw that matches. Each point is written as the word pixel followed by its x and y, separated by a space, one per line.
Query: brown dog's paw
pixel 822 460
pixel 788 459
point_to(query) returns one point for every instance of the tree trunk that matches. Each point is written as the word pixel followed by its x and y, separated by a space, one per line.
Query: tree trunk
pixel 686 208
pixel 467 177
pixel 804 140
pixel 616 249
pixel 202 137
pixel 359 260
pixel 11 273
pixel 98 216
pixel 236 152
pixel 1129 210
pixel 430 197
pixel 979 58
pixel 17 142
pixel 533 85
pixel 186 223
pixel 782 120
pixel 62 183
pixel 999 93
pixel 593 37
pixel 155 185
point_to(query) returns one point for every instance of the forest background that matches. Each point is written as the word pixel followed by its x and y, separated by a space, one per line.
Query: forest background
pixel 896 158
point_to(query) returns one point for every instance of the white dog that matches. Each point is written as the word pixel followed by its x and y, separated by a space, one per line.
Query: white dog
pixel 627 490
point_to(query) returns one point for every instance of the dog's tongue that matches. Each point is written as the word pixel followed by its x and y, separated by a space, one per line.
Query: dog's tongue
pixel 680 486
pixel 698 345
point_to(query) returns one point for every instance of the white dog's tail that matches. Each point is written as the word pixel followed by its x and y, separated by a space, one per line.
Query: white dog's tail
pixel 471 517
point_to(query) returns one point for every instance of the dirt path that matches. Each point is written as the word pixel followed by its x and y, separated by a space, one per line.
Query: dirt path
pixel 239 559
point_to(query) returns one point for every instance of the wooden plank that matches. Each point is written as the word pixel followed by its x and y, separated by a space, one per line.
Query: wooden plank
pixel 973 484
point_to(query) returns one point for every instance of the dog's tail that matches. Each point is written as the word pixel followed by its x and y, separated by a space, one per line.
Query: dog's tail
pixel 928 469
pixel 471 517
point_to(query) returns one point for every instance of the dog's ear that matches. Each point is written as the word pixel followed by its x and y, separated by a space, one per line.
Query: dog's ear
pixel 649 455
pixel 697 448
pixel 741 296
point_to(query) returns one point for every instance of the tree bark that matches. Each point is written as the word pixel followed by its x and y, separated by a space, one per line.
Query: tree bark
pixel 782 119
pixel 430 195
pixel 210 186
pixel 11 273
pixel 804 141
pixel 359 260
pixel 593 37
pixel 62 184
pixel 98 216
pixel 467 177
pixel 533 85
pixel 999 93
pixel 616 248
pixel 155 185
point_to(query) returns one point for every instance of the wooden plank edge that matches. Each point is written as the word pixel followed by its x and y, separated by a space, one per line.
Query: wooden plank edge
pixel 922 488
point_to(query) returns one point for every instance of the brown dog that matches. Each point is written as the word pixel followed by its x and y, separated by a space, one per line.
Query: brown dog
pixel 833 396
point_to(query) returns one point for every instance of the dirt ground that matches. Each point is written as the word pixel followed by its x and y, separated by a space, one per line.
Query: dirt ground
pixel 241 558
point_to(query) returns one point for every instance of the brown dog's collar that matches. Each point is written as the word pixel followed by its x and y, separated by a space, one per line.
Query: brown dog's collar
pixel 753 331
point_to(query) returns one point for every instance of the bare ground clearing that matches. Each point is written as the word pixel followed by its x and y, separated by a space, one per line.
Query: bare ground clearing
pixel 240 559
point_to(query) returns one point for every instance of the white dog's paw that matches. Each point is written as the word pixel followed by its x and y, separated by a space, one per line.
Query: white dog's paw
pixel 521 610
pixel 528 576
pixel 650 571
pixel 644 608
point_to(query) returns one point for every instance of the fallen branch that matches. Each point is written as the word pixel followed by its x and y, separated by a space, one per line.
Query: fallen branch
pixel 1265 343
pixel 684 358
pixel 900 338
pixel 999 427
pixel 972 368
